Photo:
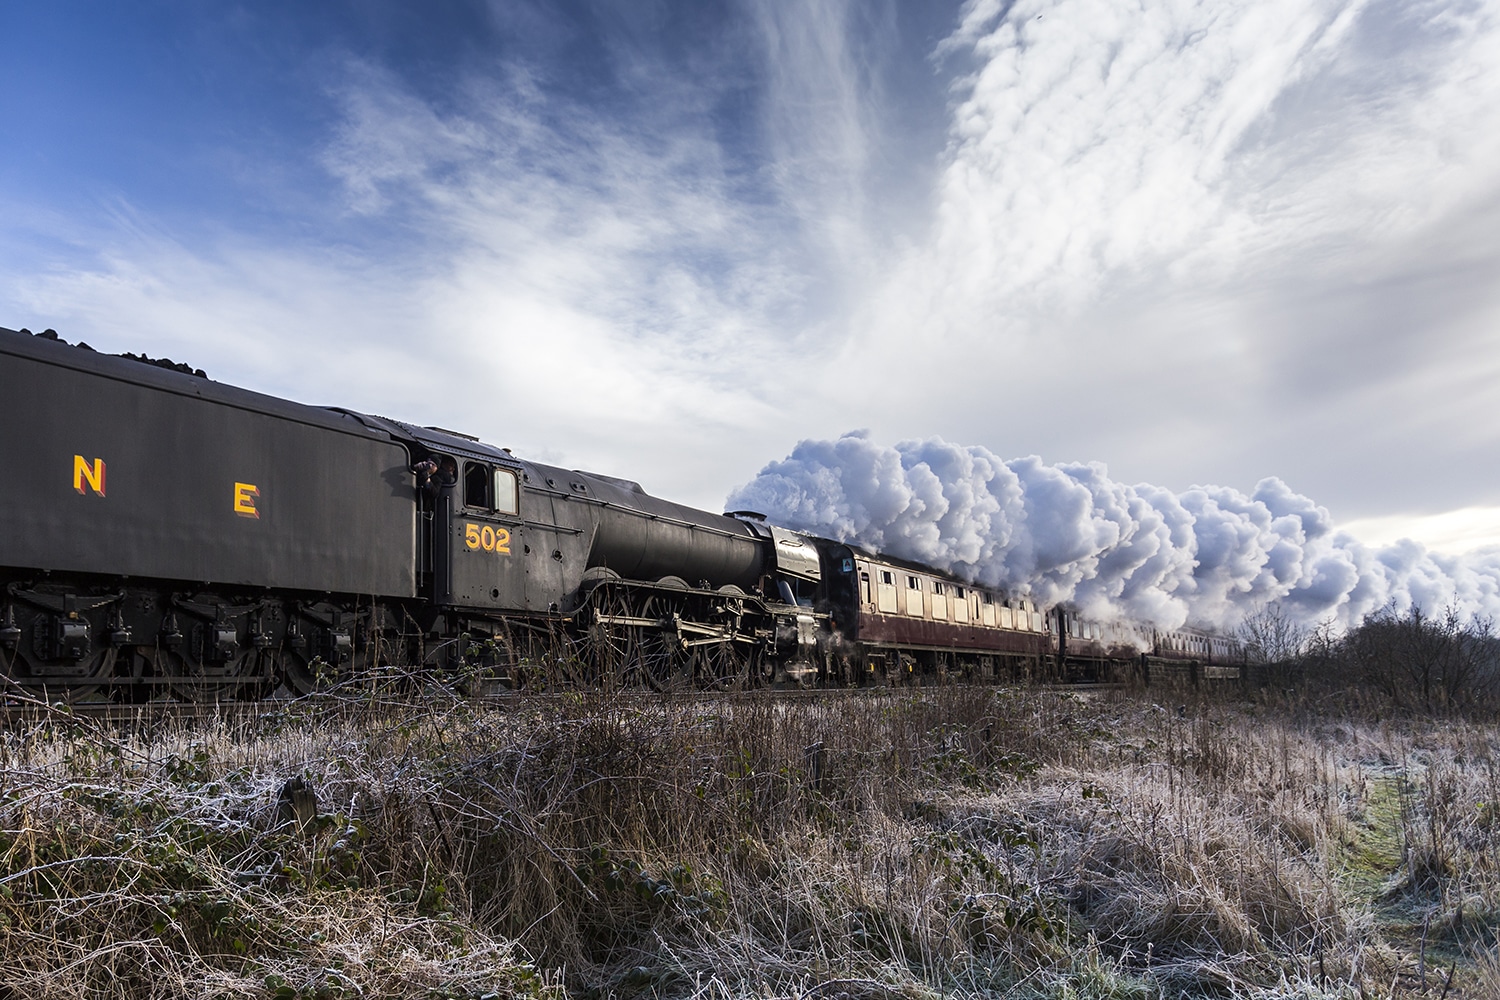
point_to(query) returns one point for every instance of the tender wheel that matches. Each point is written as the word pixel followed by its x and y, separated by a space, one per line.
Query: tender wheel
pixel 246 676
pixel 68 682
pixel 60 645
pixel 213 647
pixel 327 645
pixel 304 675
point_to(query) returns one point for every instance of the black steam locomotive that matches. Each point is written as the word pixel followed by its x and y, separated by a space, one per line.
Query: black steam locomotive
pixel 161 532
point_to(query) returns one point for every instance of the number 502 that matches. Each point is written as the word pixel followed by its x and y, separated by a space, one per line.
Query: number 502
pixel 487 538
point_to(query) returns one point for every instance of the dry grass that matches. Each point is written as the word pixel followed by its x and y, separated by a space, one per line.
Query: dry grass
pixel 946 842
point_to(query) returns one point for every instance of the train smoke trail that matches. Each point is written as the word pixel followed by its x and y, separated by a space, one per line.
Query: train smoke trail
pixel 1208 556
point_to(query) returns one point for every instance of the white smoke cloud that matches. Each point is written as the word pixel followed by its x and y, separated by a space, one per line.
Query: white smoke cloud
pixel 1208 556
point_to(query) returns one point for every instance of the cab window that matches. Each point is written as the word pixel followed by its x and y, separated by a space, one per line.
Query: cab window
pixel 476 485
pixel 506 496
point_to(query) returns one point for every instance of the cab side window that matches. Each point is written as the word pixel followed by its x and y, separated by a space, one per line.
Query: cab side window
pixel 507 497
pixel 477 485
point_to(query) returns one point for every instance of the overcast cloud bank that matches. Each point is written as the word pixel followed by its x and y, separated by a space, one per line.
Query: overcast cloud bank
pixel 1208 556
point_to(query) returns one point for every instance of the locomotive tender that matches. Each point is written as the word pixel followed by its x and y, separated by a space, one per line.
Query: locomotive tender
pixel 160 531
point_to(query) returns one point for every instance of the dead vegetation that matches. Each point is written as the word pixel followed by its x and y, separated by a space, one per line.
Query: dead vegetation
pixel 941 842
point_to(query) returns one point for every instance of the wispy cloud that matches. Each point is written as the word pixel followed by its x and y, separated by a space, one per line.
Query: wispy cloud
pixel 1096 137
pixel 612 286
pixel 608 290
pixel 824 135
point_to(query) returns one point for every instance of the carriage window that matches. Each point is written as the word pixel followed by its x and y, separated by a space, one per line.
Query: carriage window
pixel 937 588
pixel 912 583
pixel 864 587
pixel 476 485
pixel 506 499
pixel 958 593
pixel 886 578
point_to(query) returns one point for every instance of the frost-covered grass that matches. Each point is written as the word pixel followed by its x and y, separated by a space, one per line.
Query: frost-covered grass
pixel 946 842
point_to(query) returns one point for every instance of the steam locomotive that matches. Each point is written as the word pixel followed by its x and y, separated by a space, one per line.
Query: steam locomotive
pixel 162 534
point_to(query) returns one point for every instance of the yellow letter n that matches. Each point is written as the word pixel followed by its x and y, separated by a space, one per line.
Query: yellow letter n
pixel 92 474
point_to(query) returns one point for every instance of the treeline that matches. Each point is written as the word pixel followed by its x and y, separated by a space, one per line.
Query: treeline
pixel 1406 659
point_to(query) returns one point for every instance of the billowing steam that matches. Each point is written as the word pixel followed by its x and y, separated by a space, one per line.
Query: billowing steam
pixel 1208 556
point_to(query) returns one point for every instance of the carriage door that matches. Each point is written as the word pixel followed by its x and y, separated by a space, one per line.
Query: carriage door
pixel 485 538
pixel 885 592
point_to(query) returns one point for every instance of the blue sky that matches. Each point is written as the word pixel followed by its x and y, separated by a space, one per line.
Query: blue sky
pixel 1198 242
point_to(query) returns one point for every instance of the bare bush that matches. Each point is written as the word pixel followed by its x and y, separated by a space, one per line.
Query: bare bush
pixel 1273 636
pixel 1422 661
pixel 1276 646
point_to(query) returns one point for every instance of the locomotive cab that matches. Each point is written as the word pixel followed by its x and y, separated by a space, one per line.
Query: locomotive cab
pixel 472 530
pixel 478 524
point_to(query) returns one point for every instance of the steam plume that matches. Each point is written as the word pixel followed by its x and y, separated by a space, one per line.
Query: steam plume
pixel 1208 556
